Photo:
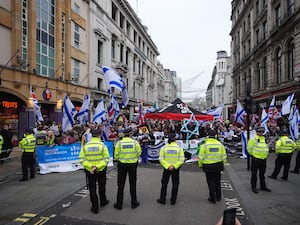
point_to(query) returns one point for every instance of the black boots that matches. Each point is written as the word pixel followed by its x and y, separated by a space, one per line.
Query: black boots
pixel 254 189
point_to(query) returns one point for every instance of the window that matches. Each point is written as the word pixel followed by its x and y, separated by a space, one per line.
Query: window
pixel 134 37
pixel 100 52
pixel 278 64
pixel 114 11
pixel 122 20
pixel 76 35
pixel 257 36
pixel 257 8
pixel 24 34
pixel 134 63
pixel 121 52
pixel 128 29
pixel 76 8
pixel 278 16
pixel 99 83
pixel 258 78
pixel 265 72
pixel 127 56
pixel 291 6
pixel 76 67
pixel 291 59
pixel 113 48
pixel 264 30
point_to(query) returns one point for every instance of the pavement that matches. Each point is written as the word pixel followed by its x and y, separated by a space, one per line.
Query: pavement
pixel 61 198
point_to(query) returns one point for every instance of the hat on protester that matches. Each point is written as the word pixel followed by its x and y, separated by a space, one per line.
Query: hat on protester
pixel 96 132
pixel 259 129
pixel 211 133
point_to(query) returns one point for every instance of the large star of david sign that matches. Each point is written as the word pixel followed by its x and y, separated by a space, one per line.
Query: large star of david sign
pixel 185 128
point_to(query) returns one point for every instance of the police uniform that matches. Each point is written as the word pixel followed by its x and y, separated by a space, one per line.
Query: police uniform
pixel 258 150
pixel 212 156
pixel 127 152
pixel 28 160
pixel 94 157
pixel 1 143
pixel 171 157
pixel 297 165
pixel 284 148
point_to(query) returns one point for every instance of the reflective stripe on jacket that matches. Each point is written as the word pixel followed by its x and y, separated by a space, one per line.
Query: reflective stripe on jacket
pixel 171 154
pixel 94 153
pixel 28 143
pixel 127 150
pixel 212 151
pixel 285 145
pixel 257 147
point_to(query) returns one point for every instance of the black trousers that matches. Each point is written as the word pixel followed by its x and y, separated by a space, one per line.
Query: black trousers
pixel 213 180
pixel 297 165
pixel 28 160
pixel 283 159
pixel 123 170
pixel 258 165
pixel 94 179
pixel 164 184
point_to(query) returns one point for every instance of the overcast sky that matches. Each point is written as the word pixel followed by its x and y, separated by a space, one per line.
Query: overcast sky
pixel 187 33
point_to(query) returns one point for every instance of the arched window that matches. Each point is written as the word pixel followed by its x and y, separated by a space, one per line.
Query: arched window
pixel 290 59
pixel 257 72
pixel 265 73
pixel 278 65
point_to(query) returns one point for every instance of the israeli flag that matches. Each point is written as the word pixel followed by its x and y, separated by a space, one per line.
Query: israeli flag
pixel 113 109
pixel 83 114
pixel 294 124
pixel 100 113
pixel 217 112
pixel 36 108
pixel 240 113
pixel 69 112
pixel 287 104
pixel 264 121
pixel 271 107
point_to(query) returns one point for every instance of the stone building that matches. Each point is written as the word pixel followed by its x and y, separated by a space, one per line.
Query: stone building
pixel 265 51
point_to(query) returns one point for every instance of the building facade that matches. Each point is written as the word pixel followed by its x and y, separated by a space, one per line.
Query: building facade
pixel 59 47
pixel 219 90
pixel 265 51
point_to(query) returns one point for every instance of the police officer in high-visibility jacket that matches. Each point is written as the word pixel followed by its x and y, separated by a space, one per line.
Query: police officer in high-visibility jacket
pixel 171 157
pixel 1 143
pixel 284 148
pixel 212 156
pixel 28 160
pixel 94 157
pixel 127 152
pixel 297 164
pixel 259 151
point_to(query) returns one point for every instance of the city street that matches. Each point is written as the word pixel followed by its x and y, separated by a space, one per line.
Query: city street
pixel 61 198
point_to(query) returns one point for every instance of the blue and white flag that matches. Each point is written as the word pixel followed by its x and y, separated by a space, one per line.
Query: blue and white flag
pixel 36 108
pixel 264 121
pixel 100 113
pixel 240 113
pixel 113 109
pixel 217 112
pixel 287 104
pixel 113 79
pixel 69 112
pixel 294 124
pixel 83 114
pixel 271 108
pixel 244 145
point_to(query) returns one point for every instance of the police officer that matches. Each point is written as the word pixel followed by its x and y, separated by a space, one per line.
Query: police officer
pixel 171 157
pixel 127 152
pixel 258 150
pixel 212 156
pixel 297 165
pixel 284 148
pixel 94 158
pixel 28 160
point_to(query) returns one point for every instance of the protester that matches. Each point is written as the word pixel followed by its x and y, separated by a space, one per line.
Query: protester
pixel 171 158
pixel 144 138
pixel 212 156
pixel 28 147
pixel 258 150
pixel 94 158
pixel 127 152
pixel 50 138
pixel 284 148
pixel 86 136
